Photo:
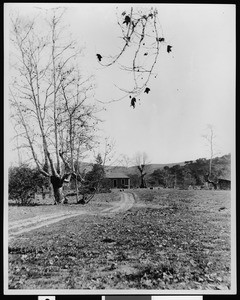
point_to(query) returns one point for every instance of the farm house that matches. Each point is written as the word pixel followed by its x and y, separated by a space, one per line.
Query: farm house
pixel 224 184
pixel 118 180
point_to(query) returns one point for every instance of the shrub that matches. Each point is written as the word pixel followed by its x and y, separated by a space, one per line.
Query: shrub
pixel 23 183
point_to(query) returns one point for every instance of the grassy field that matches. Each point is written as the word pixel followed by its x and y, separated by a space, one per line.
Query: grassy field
pixel 169 239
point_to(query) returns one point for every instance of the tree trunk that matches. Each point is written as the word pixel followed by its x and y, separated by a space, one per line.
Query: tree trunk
pixel 57 184
pixel 212 182
pixel 76 186
pixel 58 195
pixel 143 183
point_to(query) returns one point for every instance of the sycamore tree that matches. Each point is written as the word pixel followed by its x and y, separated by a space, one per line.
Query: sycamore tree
pixel 142 161
pixel 142 41
pixel 210 138
pixel 49 97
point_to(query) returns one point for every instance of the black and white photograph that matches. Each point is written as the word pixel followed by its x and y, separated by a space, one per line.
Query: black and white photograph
pixel 119 148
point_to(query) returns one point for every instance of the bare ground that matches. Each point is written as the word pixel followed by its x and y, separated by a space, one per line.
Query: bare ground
pixel 160 240
pixel 45 219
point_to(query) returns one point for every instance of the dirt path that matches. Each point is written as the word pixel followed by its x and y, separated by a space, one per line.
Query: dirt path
pixel 125 203
pixel 26 225
pixel 22 226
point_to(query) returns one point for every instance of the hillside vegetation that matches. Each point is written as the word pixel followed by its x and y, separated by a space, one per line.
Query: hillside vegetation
pixel 183 174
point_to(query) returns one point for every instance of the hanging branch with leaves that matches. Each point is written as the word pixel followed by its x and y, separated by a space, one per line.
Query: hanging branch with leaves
pixel 142 40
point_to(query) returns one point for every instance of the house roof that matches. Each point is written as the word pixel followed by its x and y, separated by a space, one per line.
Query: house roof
pixel 228 178
pixel 116 175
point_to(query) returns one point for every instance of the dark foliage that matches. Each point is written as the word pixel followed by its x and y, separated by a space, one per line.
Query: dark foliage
pixel 193 173
pixel 95 180
pixel 23 183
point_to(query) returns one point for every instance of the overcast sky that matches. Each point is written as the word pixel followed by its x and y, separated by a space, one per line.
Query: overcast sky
pixel 195 85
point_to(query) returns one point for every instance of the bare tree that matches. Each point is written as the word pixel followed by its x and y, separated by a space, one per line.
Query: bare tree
pixel 125 160
pixel 48 98
pixel 102 158
pixel 108 153
pixel 142 39
pixel 141 160
pixel 210 138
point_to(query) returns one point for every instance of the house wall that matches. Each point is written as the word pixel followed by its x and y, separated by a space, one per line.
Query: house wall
pixel 120 183
pixel 224 184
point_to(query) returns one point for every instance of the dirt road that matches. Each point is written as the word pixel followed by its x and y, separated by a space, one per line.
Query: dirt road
pixel 125 203
pixel 21 226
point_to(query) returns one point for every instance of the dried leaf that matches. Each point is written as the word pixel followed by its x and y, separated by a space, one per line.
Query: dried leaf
pixel 133 102
pixel 99 56
pixel 127 20
pixel 169 48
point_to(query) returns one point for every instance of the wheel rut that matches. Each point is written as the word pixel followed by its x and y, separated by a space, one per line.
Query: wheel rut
pixel 22 226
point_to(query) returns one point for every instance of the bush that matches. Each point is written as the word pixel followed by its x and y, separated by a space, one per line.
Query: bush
pixel 24 183
pixel 95 180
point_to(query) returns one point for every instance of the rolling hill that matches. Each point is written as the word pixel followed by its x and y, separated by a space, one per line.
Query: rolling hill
pixel 133 170
pixel 222 166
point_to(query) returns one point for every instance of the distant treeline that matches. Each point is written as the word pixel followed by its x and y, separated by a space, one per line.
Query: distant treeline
pixel 24 181
pixel 191 174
